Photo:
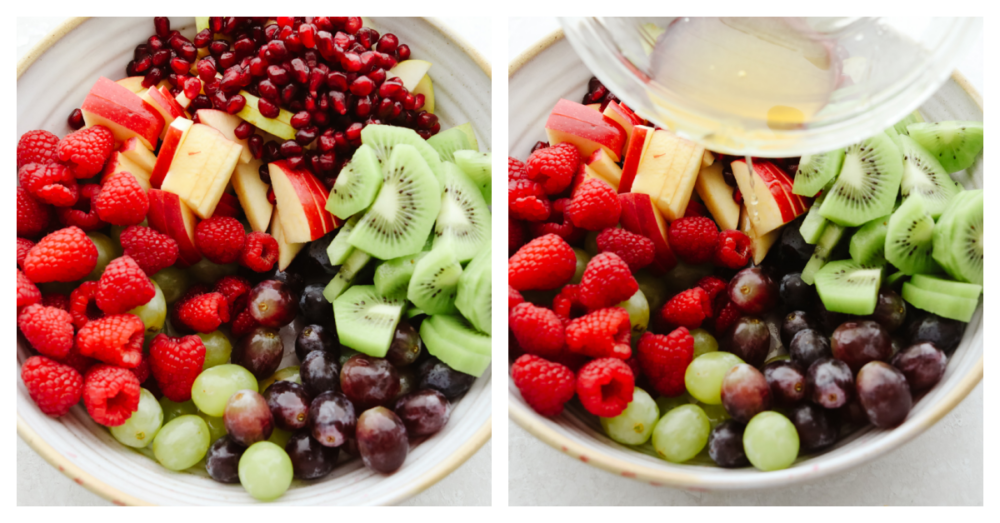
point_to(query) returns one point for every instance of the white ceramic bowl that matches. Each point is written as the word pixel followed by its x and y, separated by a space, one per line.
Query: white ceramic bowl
pixel 53 79
pixel 551 70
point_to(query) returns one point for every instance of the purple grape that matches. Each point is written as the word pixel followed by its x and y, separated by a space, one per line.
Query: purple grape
pixel 316 337
pixel 815 426
pixel 260 352
pixel 795 322
pixel 828 320
pixel 923 364
pixel 944 333
pixel 808 346
pixel 725 445
pixel 247 418
pixel 852 414
pixel 310 459
pixel 223 460
pixel 408 381
pixel 320 372
pixel 369 382
pixel 423 412
pixel 273 304
pixel 884 394
pixel 890 309
pixel 753 291
pixel 829 383
pixel 857 343
pixel 438 376
pixel 405 347
pixel 750 339
pixel 313 305
pixel 289 404
pixel 332 419
pixel 795 293
pixel 745 392
pixel 382 440
pixel 787 381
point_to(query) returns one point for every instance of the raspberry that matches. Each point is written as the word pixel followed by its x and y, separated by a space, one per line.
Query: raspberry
pixel 243 324
pixel 122 201
pixel 123 286
pixel 83 304
pixel 514 298
pixel 54 299
pixel 607 281
pixel 688 309
pixel 54 387
pixel 175 363
pixel 713 285
pixel 567 304
pixel 636 250
pixel 734 250
pixel 605 386
pixel 192 292
pixel 23 246
pixel 544 263
pixel 544 385
pixel 554 167
pixel 48 329
pixel 65 255
pixel 205 313
pixel 664 359
pixel 33 216
pixel 83 214
pixel 142 371
pixel 516 235
pixel 558 223
pixel 695 209
pixel 604 333
pixel 595 205
pixel 51 183
pixel 526 200
pixel 727 318
pixel 37 147
pixel 116 340
pixel 236 290
pixel 27 291
pixel 152 251
pixel 78 361
pixel 693 240
pixel 111 394
pixel 538 330
pixel 516 170
pixel 86 150
pixel 220 239
pixel 259 252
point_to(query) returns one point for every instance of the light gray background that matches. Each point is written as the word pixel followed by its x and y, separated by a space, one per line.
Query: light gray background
pixel 38 483
pixel 943 466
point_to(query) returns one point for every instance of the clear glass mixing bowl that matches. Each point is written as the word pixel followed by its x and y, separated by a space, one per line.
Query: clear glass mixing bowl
pixel 772 87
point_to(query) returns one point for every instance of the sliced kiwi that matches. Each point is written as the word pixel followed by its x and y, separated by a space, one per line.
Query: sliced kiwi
pixel 831 236
pixel 923 174
pixel 479 168
pixel 951 287
pixel 848 287
pixel 366 320
pixel 475 292
pixel 868 242
pixel 453 341
pixel 393 276
pixel 896 279
pixel 434 283
pixel 868 182
pixel 816 170
pixel 346 275
pixel 446 143
pixel 403 214
pixel 955 144
pixel 909 238
pixel 958 237
pixel 464 222
pixel 899 129
pixel 946 305
pixel 339 249
pixel 813 225
pixel 384 138
pixel 357 184
pixel 413 312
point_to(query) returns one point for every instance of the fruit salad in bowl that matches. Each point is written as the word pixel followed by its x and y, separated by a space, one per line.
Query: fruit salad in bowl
pixel 254 258
pixel 707 321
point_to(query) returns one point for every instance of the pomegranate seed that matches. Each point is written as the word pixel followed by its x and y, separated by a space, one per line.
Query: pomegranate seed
pixel 140 51
pixel 258 67
pixel 188 52
pixel 336 81
pixel 384 107
pixel 403 52
pixel 153 77
pixel 75 119
pixel 215 23
pixel 202 39
pixel 268 90
pixel 419 101
pixel 200 102
pixel 256 145
pixel 301 119
pixel 175 91
pixel 288 93
pixel 155 43
pixel 162 25
pixel 436 128
pixel 142 65
pixel 341 139
pixel 338 102
pixel 173 79
pixel 343 40
pixel 130 69
pixel 272 151
pixel 311 104
pixel 265 176
pixel 161 57
pixel 277 75
pixel 300 71
pixel 277 50
pixel 244 47
pixel 227 59
pixel 311 58
pixel 244 129
pixel 354 131
pixel 363 107
pixel 177 40
pixel 424 134
pixel 213 86
pixel 368 62
pixel 206 70
pixel 353 24
pixel 325 162
pixel 267 109
pixel 326 142
pixel 305 136
pixel 317 78
pixel 180 66
pixel 410 103
pixel 387 44
pixel 192 86
pixel 323 103
pixel 377 76
pixel 351 62
pixel 400 95
pixel 294 43
pixel 362 86
pixel 323 23
pixel 297 162
pixel 389 88
pixel 285 21
pixel 385 61
pixel 426 120
pixel 307 32
pixel 271 31
pixel 236 104
pixel 367 37
pixel 217 47
pixel 283 33
pixel 324 42
pixel 219 101
pixel 357 48
pixel 397 109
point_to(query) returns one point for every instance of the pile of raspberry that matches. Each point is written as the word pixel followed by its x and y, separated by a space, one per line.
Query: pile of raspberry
pixel 87 344
pixel 568 331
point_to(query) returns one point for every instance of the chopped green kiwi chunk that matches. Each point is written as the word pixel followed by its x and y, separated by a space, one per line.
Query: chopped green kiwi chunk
pixel 464 223
pixel 453 341
pixel 393 276
pixel 868 182
pixel 817 170
pixel 345 276
pixel 339 249
pixel 896 279
pixel 479 168
pixel 366 320
pixel 446 143
pixel 831 236
pixel 909 238
pixel 923 175
pixel 475 292
pixel 813 225
pixel 434 283
pixel 899 128
pixel 356 185
pixel 955 144
pixel 952 287
pixel 845 286
pixel 868 242
pixel 958 237
pixel 946 305
pixel 383 138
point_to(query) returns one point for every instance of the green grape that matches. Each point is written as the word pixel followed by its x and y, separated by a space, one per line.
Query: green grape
pixel 638 313
pixel 771 441
pixel 685 276
pixel 635 424
pixel 207 272
pixel 654 288
pixel 107 250
pixel 182 442
pixel 704 375
pixel 716 413
pixel 590 244
pixel 265 471
pixel 213 387
pixel 218 348
pixel 285 374
pixel 174 282
pixel 346 353
pixel 582 259
pixel 666 404
pixel 703 342
pixel 279 437
pixel 152 313
pixel 172 409
pixel 140 429
pixel 216 426
pixel 681 433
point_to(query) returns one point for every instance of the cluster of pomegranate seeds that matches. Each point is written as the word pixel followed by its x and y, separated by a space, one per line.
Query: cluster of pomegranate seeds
pixel 329 72
pixel 598 93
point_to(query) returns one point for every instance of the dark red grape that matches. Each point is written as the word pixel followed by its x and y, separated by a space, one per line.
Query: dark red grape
pixel 293 280
pixel 827 319
pixel 332 419
pixel 313 305
pixel 223 460
pixel 382 440
pixel 260 352
pixel 438 376
pixel 857 343
pixel 890 309
pixel 247 418
pixel 310 459
pixel 408 381
pixel 725 445
pixel 830 383
pixel 944 333
pixel 289 404
pixel 808 346
pixel 794 322
pixel 884 394
pixel 794 250
pixel 369 382
pixel 317 253
pixel 405 347
pixel 923 364
pixel 787 381
pixel 316 337
pixel 816 427
pixel 753 291
pixel 795 293
pixel 423 412
pixel 745 393
pixel 750 339
pixel 320 372
pixel 273 304
pixel 851 414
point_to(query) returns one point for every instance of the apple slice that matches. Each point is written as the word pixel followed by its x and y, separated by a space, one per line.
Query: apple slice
pixel 425 87
pixel 587 129
pixel 301 198
pixel 596 107
pixel 134 150
pixel 164 102
pixel 171 142
pixel 123 112
pixel 765 199
pixel 286 250
pixel 637 144
pixel 640 216
pixel 118 162
pixel 761 243
pixel 226 124
pixel 280 126
pixel 602 164
pixel 228 206
pixel 252 192
pixel 718 196
pixel 132 83
pixel 410 72
pixel 771 173
pixel 679 187
pixel 201 169
pixel 169 215
pixel 623 117
pixel 709 159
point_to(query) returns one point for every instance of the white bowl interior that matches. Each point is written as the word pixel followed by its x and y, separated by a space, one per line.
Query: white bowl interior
pixel 57 83
pixel 556 72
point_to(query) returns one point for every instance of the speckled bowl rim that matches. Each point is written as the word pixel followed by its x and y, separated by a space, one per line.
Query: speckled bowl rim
pixel 532 422
pixel 116 496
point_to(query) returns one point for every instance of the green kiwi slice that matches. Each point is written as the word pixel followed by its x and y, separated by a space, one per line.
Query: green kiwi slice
pixel 868 243
pixel 896 280
pixel 384 138
pixel 393 276
pixel 402 215
pixel 946 305
pixel 909 238
pixel 339 249
pixel 357 184
pixel 848 287
pixel 816 170
pixel 831 236
pixel 952 287
pixel 366 320
pixel 464 222
pixel 434 283
pixel 479 168
pixel 923 174
pixel 348 272
pixel 955 144
pixel 452 340
pixel 813 225
pixel 899 128
pixel 868 182
pixel 475 292
pixel 446 143
pixel 958 237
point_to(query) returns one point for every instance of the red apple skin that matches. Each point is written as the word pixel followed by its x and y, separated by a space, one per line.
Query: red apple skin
pixel 777 193
pixel 608 136
pixel 169 99
pixel 639 216
pixel 312 195
pixel 171 142
pixel 117 104
pixel 633 155
pixel 773 175
pixel 166 215
pixel 228 205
